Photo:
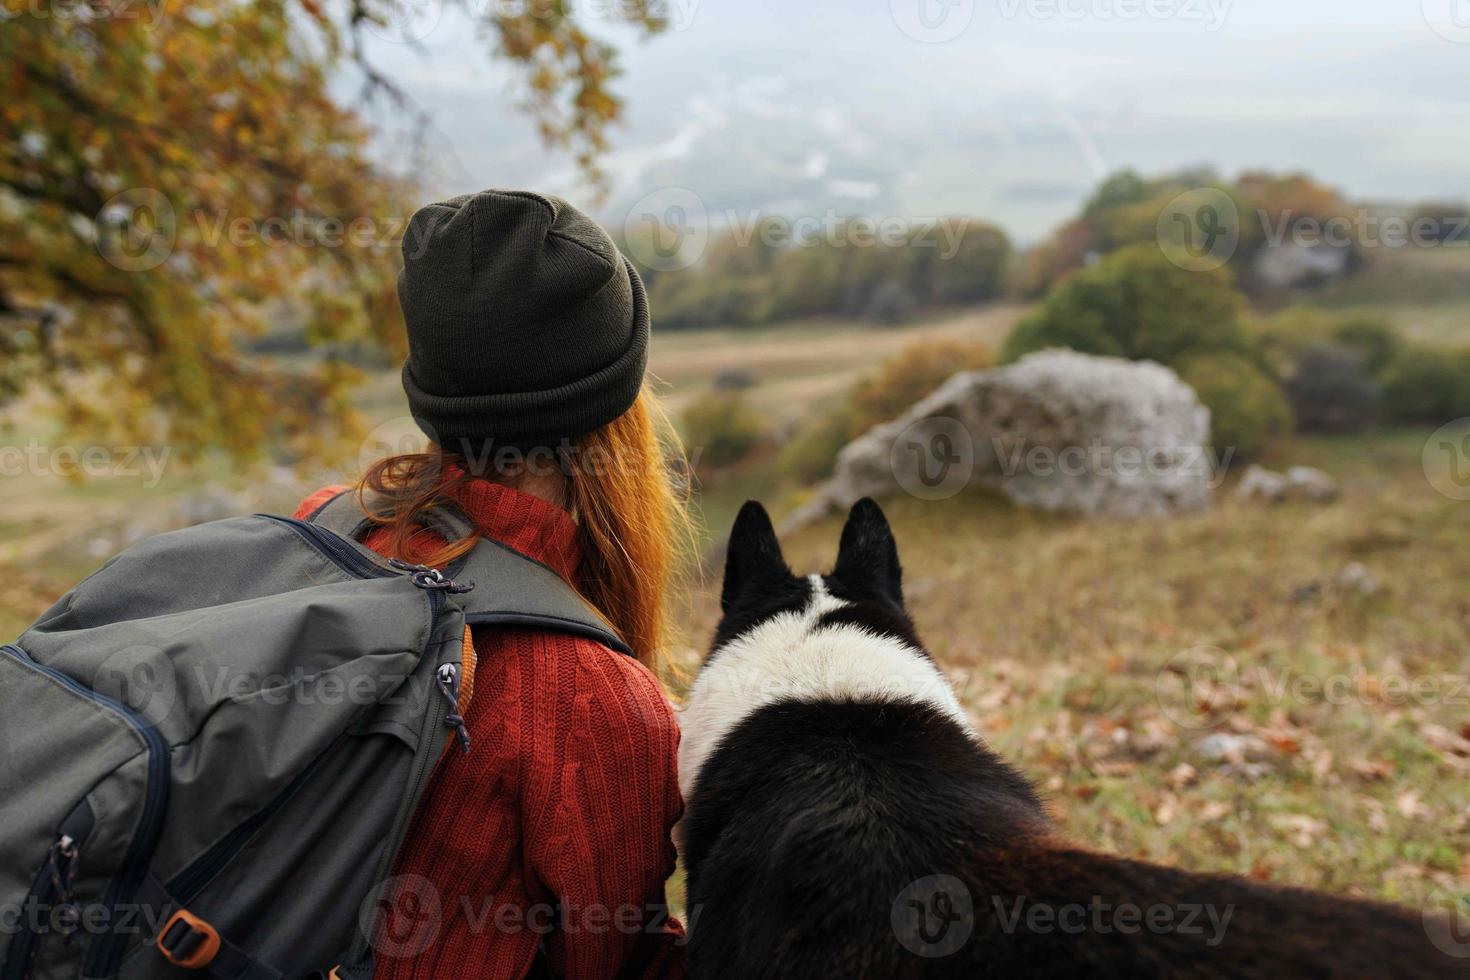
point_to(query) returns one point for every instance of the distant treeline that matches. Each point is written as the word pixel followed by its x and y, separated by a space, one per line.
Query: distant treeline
pixel 853 268
pixel 884 270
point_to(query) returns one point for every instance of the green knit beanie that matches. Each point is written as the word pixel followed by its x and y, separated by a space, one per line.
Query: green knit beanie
pixel 526 325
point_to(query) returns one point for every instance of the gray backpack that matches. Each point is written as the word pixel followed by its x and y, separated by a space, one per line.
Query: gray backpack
pixel 213 745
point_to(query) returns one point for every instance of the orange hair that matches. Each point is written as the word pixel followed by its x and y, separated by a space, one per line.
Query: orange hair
pixel 633 525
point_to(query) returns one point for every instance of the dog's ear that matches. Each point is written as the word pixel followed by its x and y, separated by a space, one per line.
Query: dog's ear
pixel 867 558
pixel 754 554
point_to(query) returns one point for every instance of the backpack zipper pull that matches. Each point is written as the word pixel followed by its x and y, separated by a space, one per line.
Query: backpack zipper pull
pixel 430 578
pixel 63 862
pixel 447 678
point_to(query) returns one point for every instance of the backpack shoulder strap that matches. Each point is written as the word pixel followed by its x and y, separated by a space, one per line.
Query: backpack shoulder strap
pixel 510 589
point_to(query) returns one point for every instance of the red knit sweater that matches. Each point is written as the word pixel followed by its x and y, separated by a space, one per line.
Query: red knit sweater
pixel 557 823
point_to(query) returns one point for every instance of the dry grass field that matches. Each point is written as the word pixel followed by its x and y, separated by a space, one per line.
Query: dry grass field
pixel 796 365
pixel 1211 691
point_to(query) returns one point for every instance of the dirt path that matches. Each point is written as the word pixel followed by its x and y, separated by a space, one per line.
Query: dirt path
pixel 796 365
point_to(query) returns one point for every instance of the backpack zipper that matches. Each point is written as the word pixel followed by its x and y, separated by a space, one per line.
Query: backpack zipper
pixel 185 885
pixel 430 580
pixel 51 890
pixel 342 554
pixel 434 722
pixel 436 719
pixel 351 560
pixel 106 950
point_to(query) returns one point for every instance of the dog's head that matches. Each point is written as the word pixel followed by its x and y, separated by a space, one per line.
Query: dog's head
pixel 842 637
pixel 865 585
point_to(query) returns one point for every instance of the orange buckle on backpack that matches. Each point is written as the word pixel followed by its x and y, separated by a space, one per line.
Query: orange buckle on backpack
pixel 188 941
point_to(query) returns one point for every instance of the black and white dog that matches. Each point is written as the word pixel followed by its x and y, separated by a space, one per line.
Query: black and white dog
pixel 845 821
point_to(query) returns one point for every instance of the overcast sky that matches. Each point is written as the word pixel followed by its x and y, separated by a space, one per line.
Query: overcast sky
pixel 1005 109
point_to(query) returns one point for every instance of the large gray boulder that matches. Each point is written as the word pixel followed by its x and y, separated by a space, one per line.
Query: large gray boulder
pixel 1057 430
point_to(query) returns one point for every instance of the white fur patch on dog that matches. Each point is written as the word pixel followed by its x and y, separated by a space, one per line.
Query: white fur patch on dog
pixel 788 658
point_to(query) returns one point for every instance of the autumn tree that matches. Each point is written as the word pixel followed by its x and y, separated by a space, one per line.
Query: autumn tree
pixel 174 178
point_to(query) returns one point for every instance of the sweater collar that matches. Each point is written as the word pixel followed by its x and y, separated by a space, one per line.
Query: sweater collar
pixel 536 528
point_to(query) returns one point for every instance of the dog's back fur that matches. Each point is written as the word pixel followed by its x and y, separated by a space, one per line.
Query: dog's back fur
pixel 843 820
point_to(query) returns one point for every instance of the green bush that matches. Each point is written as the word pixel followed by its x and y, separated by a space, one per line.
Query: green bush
pixel 889 303
pixel 1282 337
pixel 1330 391
pixel 899 382
pixel 1374 339
pixel 1137 304
pixel 976 270
pixel 1247 407
pixel 690 301
pixel 908 376
pixel 720 429
pixel 1427 385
